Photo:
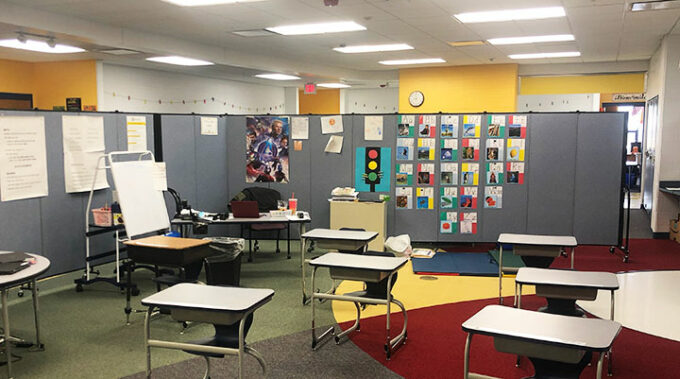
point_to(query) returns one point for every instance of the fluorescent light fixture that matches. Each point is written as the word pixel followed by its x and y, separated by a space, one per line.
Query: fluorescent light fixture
pixel 412 61
pixel 200 3
pixel 466 43
pixel 373 48
pixel 180 61
pixel 333 85
pixel 320 28
pixel 40 46
pixel 565 54
pixel 510 15
pixel 532 39
pixel 253 33
pixel 654 5
pixel 277 76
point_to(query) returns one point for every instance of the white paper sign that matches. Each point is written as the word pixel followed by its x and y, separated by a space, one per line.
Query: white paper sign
pixel 82 133
pixel 209 126
pixel 300 128
pixel 334 144
pixel 160 178
pixel 331 124
pixel 23 158
pixel 373 128
pixel 79 170
pixel 136 133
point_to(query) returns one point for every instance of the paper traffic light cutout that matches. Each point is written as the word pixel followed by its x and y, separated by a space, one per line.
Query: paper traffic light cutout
pixel 372 171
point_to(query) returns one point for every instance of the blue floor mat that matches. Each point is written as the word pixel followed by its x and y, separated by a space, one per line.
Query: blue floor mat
pixel 479 264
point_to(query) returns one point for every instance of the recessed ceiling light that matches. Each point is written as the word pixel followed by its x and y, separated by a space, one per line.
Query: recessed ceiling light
pixel 277 76
pixel 199 3
pixel 119 52
pixel 412 61
pixel 320 28
pixel 253 33
pixel 333 85
pixel 532 39
pixel 40 46
pixel 654 5
pixel 181 61
pixel 466 43
pixel 373 48
pixel 510 15
pixel 565 54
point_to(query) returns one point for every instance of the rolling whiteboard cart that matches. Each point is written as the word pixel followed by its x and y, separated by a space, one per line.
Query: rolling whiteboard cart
pixel 368 215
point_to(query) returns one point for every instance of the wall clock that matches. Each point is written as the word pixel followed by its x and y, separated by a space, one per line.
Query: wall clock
pixel 416 98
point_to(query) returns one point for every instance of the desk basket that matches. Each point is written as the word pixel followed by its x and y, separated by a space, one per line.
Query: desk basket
pixel 102 216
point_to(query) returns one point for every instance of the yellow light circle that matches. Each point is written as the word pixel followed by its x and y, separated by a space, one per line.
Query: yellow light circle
pixel 513 153
pixel 372 165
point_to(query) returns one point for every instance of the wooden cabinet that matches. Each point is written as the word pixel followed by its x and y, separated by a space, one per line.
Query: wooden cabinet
pixel 370 216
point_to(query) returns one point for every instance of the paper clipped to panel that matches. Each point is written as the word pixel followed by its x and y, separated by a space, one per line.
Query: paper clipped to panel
pixel 334 144
pixel 331 124
pixel 160 178
pixel 83 141
pixel 373 128
pixel 23 158
pixel 83 133
pixel 209 126
pixel 136 133
pixel 142 205
pixel 300 128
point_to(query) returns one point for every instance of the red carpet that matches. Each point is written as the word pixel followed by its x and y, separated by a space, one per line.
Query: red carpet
pixel 436 342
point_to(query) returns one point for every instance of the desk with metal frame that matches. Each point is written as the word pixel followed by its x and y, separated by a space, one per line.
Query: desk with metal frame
pixel 208 304
pixel 332 239
pixel 541 335
pixel 365 268
pixel 532 245
pixel 265 218
pixel 27 275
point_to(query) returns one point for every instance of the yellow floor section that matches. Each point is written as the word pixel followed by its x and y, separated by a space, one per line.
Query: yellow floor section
pixel 418 293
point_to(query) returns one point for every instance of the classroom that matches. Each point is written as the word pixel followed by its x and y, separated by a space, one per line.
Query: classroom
pixel 426 188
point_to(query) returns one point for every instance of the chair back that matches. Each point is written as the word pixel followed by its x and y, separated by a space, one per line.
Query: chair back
pixel 266 198
pixel 357 251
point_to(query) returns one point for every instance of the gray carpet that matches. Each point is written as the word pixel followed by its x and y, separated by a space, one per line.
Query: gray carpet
pixel 639 224
pixel 289 356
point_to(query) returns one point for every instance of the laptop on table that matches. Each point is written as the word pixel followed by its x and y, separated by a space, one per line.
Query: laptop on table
pixel 245 209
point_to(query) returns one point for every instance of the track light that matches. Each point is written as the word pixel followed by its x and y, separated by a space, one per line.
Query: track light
pixel 51 42
pixel 21 38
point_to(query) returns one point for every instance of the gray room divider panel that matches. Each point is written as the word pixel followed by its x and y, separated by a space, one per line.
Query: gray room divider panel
pixel 599 177
pixel 212 165
pixel 551 175
pixel 179 154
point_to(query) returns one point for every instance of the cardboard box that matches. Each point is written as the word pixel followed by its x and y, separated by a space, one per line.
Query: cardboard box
pixel 674 232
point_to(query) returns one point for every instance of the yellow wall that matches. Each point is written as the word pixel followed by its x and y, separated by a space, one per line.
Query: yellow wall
pixel 51 82
pixel 613 83
pixel 491 88
pixel 325 101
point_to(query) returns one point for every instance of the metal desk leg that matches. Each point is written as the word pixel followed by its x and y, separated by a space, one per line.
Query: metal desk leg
pixel 128 309
pixel 466 362
pixel 609 353
pixel 288 228
pixel 34 292
pixel 599 365
pixel 573 251
pixel 8 345
pixel 388 342
pixel 147 335
pixel 303 242
pixel 500 274
pixel 519 306
pixel 241 345
pixel 329 331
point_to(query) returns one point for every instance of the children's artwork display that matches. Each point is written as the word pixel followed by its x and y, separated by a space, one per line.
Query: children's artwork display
pixel 404 196
pixel 470 149
pixel 472 126
pixel 516 150
pixel 496 126
pixel 267 149
pixel 515 172
pixel 448 197
pixel 427 126
pixel 449 174
pixel 331 124
pixel 449 126
pixel 468 197
pixel 426 149
pixel 425 174
pixel 448 222
pixel 373 128
pixel 494 173
pixel 468 223
pixel 469 175
pixel 405 149
pixel 493 197
pixel 517 126
pixel 406 126
pixel 404 174
pixel 373 169
pixel 425 198
pixel 448 150
pixel 494 149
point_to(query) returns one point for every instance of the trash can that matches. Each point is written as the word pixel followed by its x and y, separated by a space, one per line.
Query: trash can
pixel 224 268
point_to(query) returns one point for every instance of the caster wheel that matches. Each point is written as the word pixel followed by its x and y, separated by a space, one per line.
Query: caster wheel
pixel 611 249
pixel 79 288
pixel 278 251
pixel 20 294
pixel 134 292
pixel 337 340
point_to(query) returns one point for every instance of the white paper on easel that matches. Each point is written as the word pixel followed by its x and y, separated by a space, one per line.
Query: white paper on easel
pixel 331 124
pixel 209 126
pixel 334 144
pixel 136 133
pixel 300 128
pixel 83 133
pixel 79 170
pixel 373 128
pixel 160 178
pixel 23 158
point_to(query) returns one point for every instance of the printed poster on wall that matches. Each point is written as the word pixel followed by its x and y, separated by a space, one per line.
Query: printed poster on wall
pixel 496 126
pixel 300 127
pixel 469 174
pixel 373 169
pixel 448 150
pixel 136 133
pixel 331 124
pixel 405 149
pixel 267 149
pixel 449 174
pixel 373 128
pixel 406 126
pixel 426 149
pixel 83 142
pixel 468 197
pixel 517 126
pixel 404 197
pixel 448 198
pixel 23 158
pixel 515 150
pixel 472 126
pixel 425 198
pixel 448 222
pixel 404 174
pixel 449 127
pixel 493 197
pixel 471 149
pixel 494 173
pixel 427 126
pixel 425 174
pixel 515 172
pixel 468 223
pixel 494 149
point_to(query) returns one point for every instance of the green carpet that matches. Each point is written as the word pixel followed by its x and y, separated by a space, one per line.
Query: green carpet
pixel 509 259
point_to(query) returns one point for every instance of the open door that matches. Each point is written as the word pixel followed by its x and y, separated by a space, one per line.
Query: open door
pixel 649 156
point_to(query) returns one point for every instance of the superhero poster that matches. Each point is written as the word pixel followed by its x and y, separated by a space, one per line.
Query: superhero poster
pixel 267 140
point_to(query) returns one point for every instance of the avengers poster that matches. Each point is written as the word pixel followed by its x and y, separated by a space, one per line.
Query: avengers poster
pixel 267 141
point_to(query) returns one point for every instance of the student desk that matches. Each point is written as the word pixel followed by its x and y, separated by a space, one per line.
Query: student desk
pixel 532 245
pixel 27 275
pixel 541 335
pixel 360 268
pixel 332 239
pixel 209 304
pixel 265 218
pixel 163 251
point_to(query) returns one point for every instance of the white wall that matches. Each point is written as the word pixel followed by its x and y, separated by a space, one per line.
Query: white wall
pixel 370 100
pixel 131 89
pixel 583 102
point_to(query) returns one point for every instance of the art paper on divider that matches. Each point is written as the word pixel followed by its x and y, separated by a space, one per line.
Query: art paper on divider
pixel 448 198
pixel 300 128
pixel 426 149
pixel 494 149
pixel 496 126
pixel 160 177
pixel 468 197
pixel 425 174
pixel 471 149
pixel 469 174
pixel 515 150
pixel 331 124
pixel 405 149
pixel 449 126
pixel 373 128
pixel 209 126
pixel 406 126
pixel 136 133
pixel 23 158
pixel 334 144
pixel 79 171
pixel 468 223
pixel 515 172
pixel 449 174
pixel 471 126
pixel 425 198
pixel 404 197
pixel 404 174
pixel 517 126
pixel 83 133
pixel 494 173
pixel 427 126
pixel 448 149
pixel 448 222
pixel 493 197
